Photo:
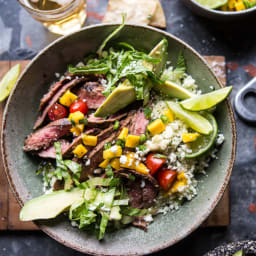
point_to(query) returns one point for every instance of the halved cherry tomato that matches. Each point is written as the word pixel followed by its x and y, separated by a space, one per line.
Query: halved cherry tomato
pixel 166 177
pixel 153 163
pixel 57 112
pixel 79 105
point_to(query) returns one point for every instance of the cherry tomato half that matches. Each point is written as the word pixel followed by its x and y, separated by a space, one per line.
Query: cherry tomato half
pixel 166 177
pixel 154 163
pixel 79 105
pixel 57 112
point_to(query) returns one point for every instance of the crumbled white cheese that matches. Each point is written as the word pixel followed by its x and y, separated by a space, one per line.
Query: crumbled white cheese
pixel 57 75
pixel 148 218
pixel 123 159
pixel 113 149
pixel 88 162
pixel 220 139
pixel 142 185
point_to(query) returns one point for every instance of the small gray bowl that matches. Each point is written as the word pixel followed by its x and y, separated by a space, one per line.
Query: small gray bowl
pixel 248 247
pixel 220 16
pixel 20 115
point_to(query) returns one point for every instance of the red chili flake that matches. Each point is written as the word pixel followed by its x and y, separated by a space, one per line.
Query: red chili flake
pixel 28 40
pixel 233 66
pixel 95 15
pixel 250 69
pixel 252 208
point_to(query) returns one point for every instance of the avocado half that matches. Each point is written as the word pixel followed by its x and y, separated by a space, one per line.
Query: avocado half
pixel 125 94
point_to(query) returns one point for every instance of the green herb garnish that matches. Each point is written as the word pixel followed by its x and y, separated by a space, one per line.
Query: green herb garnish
pixel 73 122
pixel 107 145
pixel 83 121
pixel 109 171
pixel 142 147
pixel 147 112
pixel 164 119
pixel 143 138
pixel 116 125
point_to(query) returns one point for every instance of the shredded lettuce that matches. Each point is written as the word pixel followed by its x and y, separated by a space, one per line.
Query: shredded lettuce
pixel 130 211
pixel 249 4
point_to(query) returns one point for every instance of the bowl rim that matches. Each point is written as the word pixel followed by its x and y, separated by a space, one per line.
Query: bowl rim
pixel 223 13
pixel 156 248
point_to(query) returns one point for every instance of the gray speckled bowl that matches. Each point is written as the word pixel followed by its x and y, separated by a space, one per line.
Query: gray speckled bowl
pixel 21 112
pixel 248 247
pixel 221 16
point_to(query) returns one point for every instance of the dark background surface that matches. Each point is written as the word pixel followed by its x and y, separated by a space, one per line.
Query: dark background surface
pixel 21 37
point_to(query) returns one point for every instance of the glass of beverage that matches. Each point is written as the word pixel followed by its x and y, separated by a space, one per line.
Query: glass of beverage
pixel 59 16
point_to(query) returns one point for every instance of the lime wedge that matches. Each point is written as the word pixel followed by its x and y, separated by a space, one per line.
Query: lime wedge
pixel 9 81
pixel 204 142
pixel 206 101
pixel 192 119
pixel 212 4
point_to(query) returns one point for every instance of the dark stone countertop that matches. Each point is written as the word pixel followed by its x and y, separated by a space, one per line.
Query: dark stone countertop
pixel 22 37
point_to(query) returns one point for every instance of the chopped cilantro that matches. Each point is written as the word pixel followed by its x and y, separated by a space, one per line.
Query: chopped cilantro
pixel 164 119
pixel 116 125
pixel 147 112
pixel 107 145
pixel 83 121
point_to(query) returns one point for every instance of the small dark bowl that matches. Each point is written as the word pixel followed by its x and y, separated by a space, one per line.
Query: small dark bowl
pixel 248 247
pixel 221 16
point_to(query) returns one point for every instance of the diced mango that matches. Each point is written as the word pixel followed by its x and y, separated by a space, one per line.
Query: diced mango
pixel 177 186
pixel 169 114
pixel 189 137
pixel 104 164
pixel 115 163
pixel 76 117
pixel 231 4
pixel 130 162
pixel 67 98
pixel 114 151
pixel 89 140
pixel 78 129
pixel 80 151
pixel 132 141
pixel 156 127
pixel 123 134
pixel 240 6
pixel 142 168
pixel 181 176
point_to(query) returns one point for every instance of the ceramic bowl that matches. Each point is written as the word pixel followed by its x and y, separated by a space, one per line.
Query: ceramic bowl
pixel 20 115
pixel 248 247
pixel 220 16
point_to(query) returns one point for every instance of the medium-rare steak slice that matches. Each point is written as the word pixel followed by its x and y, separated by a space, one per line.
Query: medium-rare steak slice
pixel 53 89
pixel 96 155
pixel 56 97
pixel 140 123
pixel 44 137
pixel 98 121
pixel 142 191
pixel 92 93
pixel 51 153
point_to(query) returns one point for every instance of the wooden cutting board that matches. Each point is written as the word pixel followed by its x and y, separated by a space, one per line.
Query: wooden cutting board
pixel 9 208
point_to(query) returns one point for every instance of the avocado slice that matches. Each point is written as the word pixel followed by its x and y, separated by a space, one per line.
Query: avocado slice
pixel 125 94
pixel 122 96
pixel 174 90
pixel 50 205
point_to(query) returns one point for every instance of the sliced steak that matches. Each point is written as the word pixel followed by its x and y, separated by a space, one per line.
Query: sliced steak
pixel 53 89
pixel 78 140
pixel 51 153
pixel 139 222
pixel 98 121
pixel 142 191
pixel 140 123
pixel 92 93
pixel 96 155
pixel 56 97
pixel 44 137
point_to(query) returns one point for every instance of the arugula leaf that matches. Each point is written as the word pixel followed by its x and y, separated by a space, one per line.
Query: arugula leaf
pixel 116 31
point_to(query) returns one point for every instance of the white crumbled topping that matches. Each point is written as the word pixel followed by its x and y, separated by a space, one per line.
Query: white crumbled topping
pixel 220 139
pixel 142 185
pixel 103 82
pixel 74 224
pixel 113 149
pixel 130 162
pixel 80 64
pixel 97 171
pixel 87 163
pixel 148 218
pixel 123 159
pixel 68 77
pixel 137 163
pixel 57 75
